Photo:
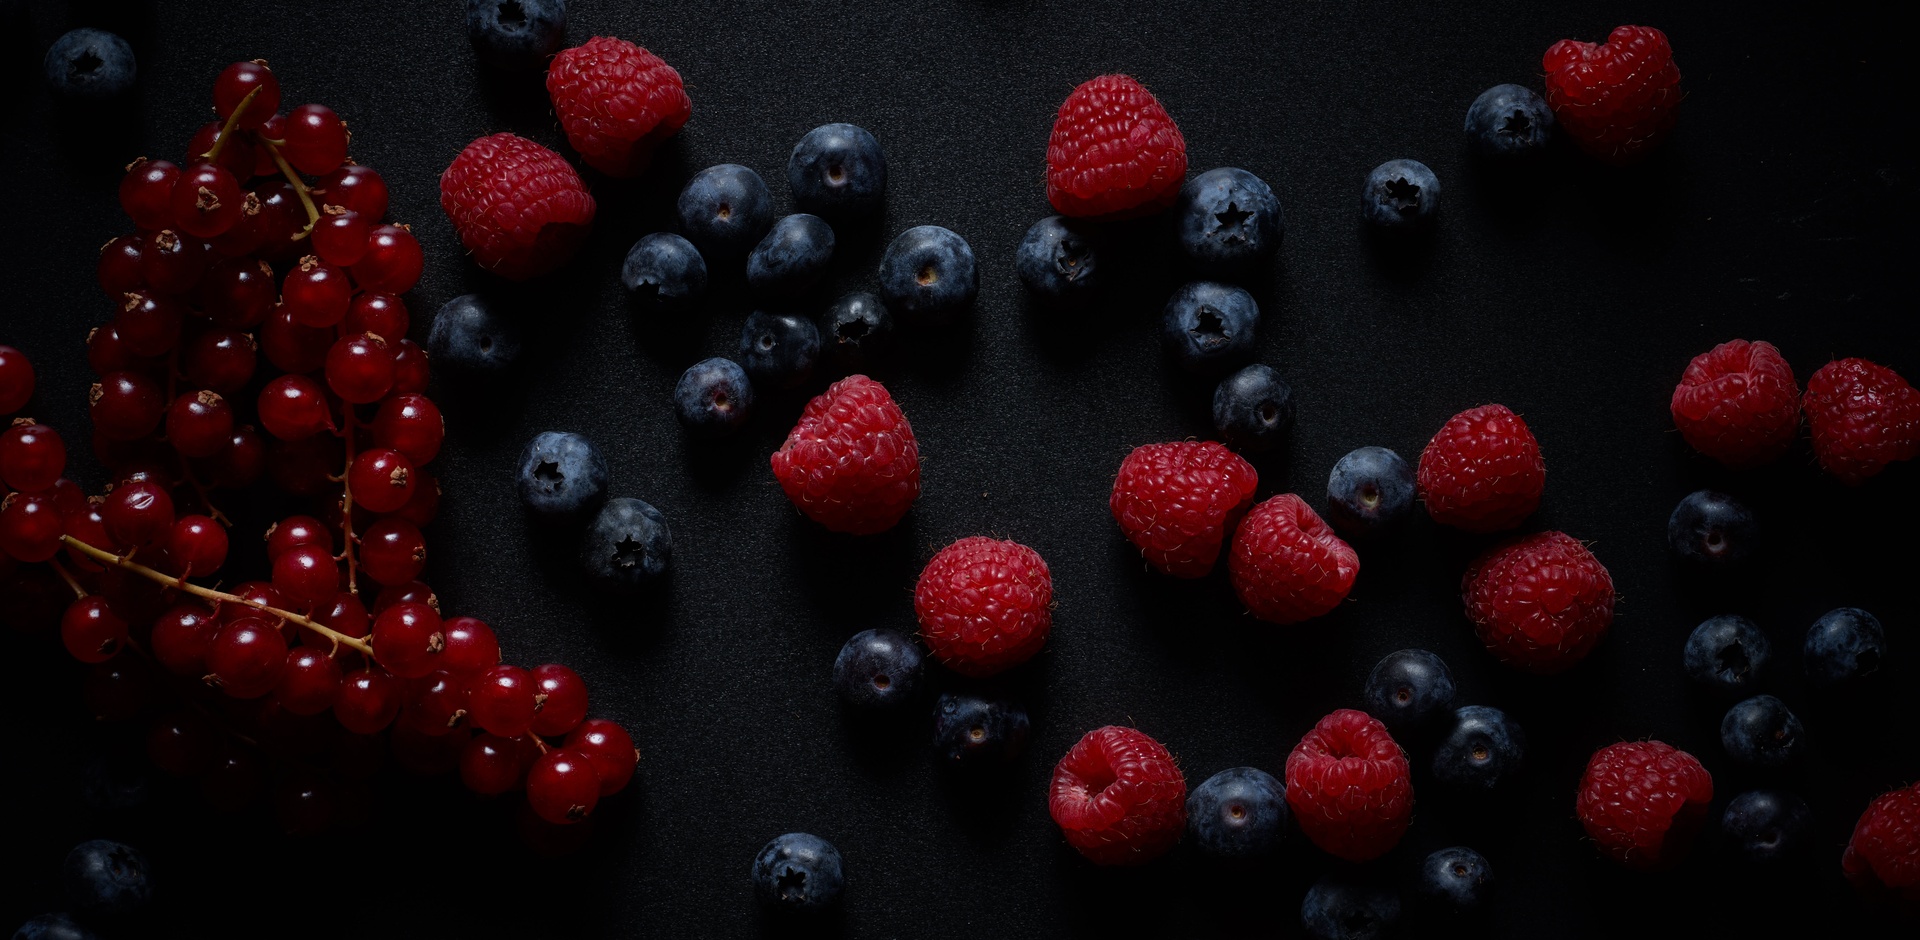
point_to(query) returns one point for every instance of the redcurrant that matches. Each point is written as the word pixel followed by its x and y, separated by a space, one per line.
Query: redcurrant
pixel 471 647
pixel 149 325
pixel 407 639
pixel 173 263
pixel 238 81
pixel 304 467
pixel 563 786
pixel 180 638
pixel 381 479
pixel 206 200
pixel 232 781
pixel 412 592
pixel 199 424
pixel 340 235
pixel 392 551
pixel 383 315
pixel 238 292
pixel 369 700
pixel 424 504
pixel 241 463
pixel 253 595
pixel 92 632
pixel 292 346
pixel 411 424
pixel 125 406
pixel 316 292
pixel 355 187
pixel 30 527
pixel 311 682
pixel 611 749
pixel 559 700
pixel 138 513
pixel 296 532
pixel 436 703
pixel 360 368
pixel 307 576
pixel 32 456
pixel 16 380
pixel 502 701
pixel 119 270
pixel 316 139
pixel 88 527
pixel 198 545
pixel 247 658
pixel 409 367
pixel 220 360
pixel 347 615
pixel 180 744
pixel 281 218
pixel 239 157
pixel 294 407
pixel 491 765
pixel 146 192
pixel 393 261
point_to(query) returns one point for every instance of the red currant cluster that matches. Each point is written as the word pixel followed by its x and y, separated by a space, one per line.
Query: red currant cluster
pixel 271 240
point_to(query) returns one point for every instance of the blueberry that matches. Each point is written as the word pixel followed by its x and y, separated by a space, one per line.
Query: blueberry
pixel 779 349
pixel 664 273
pixel 1370 491
pixel 877 669
pixel 471 333
pixel 1509 122
pixel 1761 731
pixel 106 879
pixel 928 274
pixel 1768 825
pixel 1059 261
pixel 1400 195
pixel 1208 327
pixel 854 332
pixel 1458 878
pixel 627 547
pixel 1727 653
pixel 90 65
pixel 1483 747
pixel 793 256
pixel 713 398
pixel 838 171
pixel 1712 529
pixel 516 34
pixel 1228 221
pixel 53 927
pixel 1842 645
pixel 1253 409
pixel 1408 687
pixel 1238 813
pixel 978 730
pixel 799 872
pixel 562 476
pixel 726 210
pixel 1338 909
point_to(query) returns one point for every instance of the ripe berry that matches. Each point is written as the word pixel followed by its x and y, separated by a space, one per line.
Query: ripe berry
pixel 1408 688
pixel 984 605
pixel 316 139
pixel 415 592
pixel 1114 152
pixel 205 201
pixel 1228 221
pixel 88 67
pixel 1369 492
pixel 559 700
pixel 369 700
pixel 180 638
pixel 407 640
pixel 383 315
pixel 1844 645
pixel 627 547
pixel 1118 797
pixel 1713 530
pixel 856 331
pixel 410 371
pixel 1253 410
pixel 310 684
pixel 125 406
pixel 520 209
pixel 469 647
pixel 516 34
pixel 1457 878
pixel 146 192
pixel 563 786
pixel 219 360
pixel 247 658
pixel 1059 261
pixel 1208 327
pixel 197 545
pixel 355 187
pixel 1863 416
pixel 347 615
pixel 1179 502
pixel 1883 855
pixel 1539 602
pixel 611 750
pixel 118 270
pixel 1768 826
pixel 1482 748
pixel 501 700
pixel 663 273
pixel 1237 813
pixel 307 575
pixel 199 424
pixel 150 326
pixel 1642 802
pixel 851 462
pixel 491 765
pixel 837 171
pixel 1482 471
pixel 381 479
pixel 138 513
pixel 778 350
pixel 293 347
pixel 714 398
pixel 792 257
pixel 1615 99
pixel 877 669
pixel 340 236
pixel 91 631
pixel 172 263
pixel 32 456
pixel 617 102
pixel 293 407
pixel 1287 565
pixel 799 873
pixel 979 732
pixel 316 293
pixel 1762 732
pixel 1738 403
pixel 1349 788
pixel 1509 122
pixel 411 424
pixel 436 704
pixel 470 333
pixel 105 880
pixel 928 275
pixel 725 210
pixel 241 79
pixel 1400 196
pixel 1726 653
pixel 393 261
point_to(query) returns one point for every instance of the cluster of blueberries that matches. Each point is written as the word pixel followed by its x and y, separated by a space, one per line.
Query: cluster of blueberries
pixel 105 882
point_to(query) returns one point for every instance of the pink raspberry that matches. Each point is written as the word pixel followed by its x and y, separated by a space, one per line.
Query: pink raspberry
pixel 851 463
pixel 984 605
pixel 1287 565
pixel 617 102
pixel 518 207
pixel 1118 797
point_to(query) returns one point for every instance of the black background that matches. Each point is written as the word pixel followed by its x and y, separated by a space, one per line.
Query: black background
pixel 1781 209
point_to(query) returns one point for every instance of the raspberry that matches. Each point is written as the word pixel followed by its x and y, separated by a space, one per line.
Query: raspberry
pixel 1119 797
pixel 984 605
pixel 1114 153
pixel 1884 853
pixel 1863 417
pixel 1178 502
pixel 1738 403
pixel 519 207
pixel 1349 788
pixel 617 102
pixel 1287 565
pixel 1540 602
pixel 851 463
pixel 1643 801
pixel 1482 472
pixel 1615 99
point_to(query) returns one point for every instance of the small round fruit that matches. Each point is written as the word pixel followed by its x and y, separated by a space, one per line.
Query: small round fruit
pixel 799 872
pixel 877 669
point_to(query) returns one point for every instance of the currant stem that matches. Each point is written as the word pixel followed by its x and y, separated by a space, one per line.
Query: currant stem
pixel 226 130
pixel 299 186
pixel 347 554
pixel 79 593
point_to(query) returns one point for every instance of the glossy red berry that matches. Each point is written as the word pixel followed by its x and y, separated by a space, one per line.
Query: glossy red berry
pixel 119 268
pixel 340 235
pixel 125 406
pixel 295 532
pixel 205 201
pixel 383 315
pixel 198 545
pixel 32 456
pixel 87 526
pixel 411 424
pixel 355 187
pixel 91 631
pixel 559 700
pixel 410 371
pixel 407 639
pixel 293 407
pixel 293 346
pixel 424 504
pixel 393 552
pixel 281 217
pixel 307 576
pixel 220 360
pixel 239 156
pixel 381 479
pixel 180 638
pixel 199 424
pixel 491 765
pixel 563 786
pixel 238 292
pixel 316 139
pixel 253 596
pixel 241 79
pixel 247 658
pixel 369 701
pixel 241 463
pixel 436 703
pixel 393 261
pixel 172 262
pixel 311 681
pixel 138 513
pixel 360 368
pixel 16 380
pixel 610 748
pixel 471 647
pixel 412 592
pixel 346 615
pixel 316 292
pixel 502 701
pixel 149 325
pixel 146 192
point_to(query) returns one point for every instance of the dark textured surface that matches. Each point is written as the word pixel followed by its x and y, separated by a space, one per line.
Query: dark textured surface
pixel 1781 210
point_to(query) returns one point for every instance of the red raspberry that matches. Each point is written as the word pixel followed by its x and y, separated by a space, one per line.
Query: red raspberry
pixel 519 207
pixel 1115 152
pixel 984 605
pixel 1349 788
pixel 617 102
pixel 1540 602
pixel 851 463
pixel 1287 565
pixel 1178 502
pixel 1616 99
pixel 1884 853
pixel 1863 417
pixel 1738 403
pixel 1119 797
pixel 1643 801
pixel 1482 472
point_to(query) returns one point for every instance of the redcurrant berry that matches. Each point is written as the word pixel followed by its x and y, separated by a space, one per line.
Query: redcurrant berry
pixel 247 234
pixel 611 749
pixel 119 270
pixel 491 765
pixel 239 157
pixel 254 595
pixel 125 406
pixel 369 700
pixel 198 545
pixel 88 527
pixel 307 576
pixel 436 703
pixel 30 527
pixel 347 615
pixel 392 551
pixel 238 81
pixel 411 424
pixel 138 513
pixel 381 479
pixel 502 701
pixel 241 463
pixel 316 139
pixel 407 639
pixel 412 592
pixel 471 647
pixel 172 263
pixel 355 187
pixel 238 292
pixel 311 682
pixel 16 380
pixel 393 261
pixel 316 292
pixel 146 192
pixel 360 368
pixel 296 532
pixel 199 424
pixel 180 639
pixel 292 346
pixel 206 200
pixel 247 658
pixel 149 325
pixel 559 700
pixel 383 315
pixel 409 367
pixel 92 632
pixel 32 456
pixel 281 218
pixel 219 360
pixel 424 504
pixel 340 235
pixel 293 407
pixel 563 786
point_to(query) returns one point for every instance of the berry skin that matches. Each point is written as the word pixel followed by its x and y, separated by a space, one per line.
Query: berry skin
pixel 1482 471
pixel 1767 826
pixel 1738 403
pixel 516 35
pixel 1370 492
pixel 1615 99
pixel 105 879
pixel 501 701
pixel 1208 327
pixel 1457 878
pixel 877 669
pixel 90 66
pixel 978 731
pixel 393 260
pixel 1884 853
pixel 617 102
pixel 1178 502
pixel 16 380
pixel 1844 645
pixel 1726 653
pixel 1287 565
pixel 799 873
pixel 32 456
pixel 611 750
pixel 1337 908
pixel 316 139
pixel 1642 802
pixel 779 350
pixel 1349 788
pixel 725 210
pixel 562 476
pixel 1228 221
pixel 1407 688
pixel 837 171
pixel 1509 122
pixel 1482 747
pixel 664 273
pixel 792 257
pixel 519 208
pixel 1713 530
pixel 1114 152
pixel 1539 602
pixel 928 274
pixel 1863 417
pixel 316 293
pixel 851 462
pixel 1059 261
pixel 563 786
pixel 984 605
pixel 91 631
pixel 1118 797
pixel 53 927
pixel 1253 409
pixel 247 658
pixel 855 331
pixel 1237 813
pixel 713 398
pixel 1400 196
pixel 471 333
pixel 1761 732
pixel 627 547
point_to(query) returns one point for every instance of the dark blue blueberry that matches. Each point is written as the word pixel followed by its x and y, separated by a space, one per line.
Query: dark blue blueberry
pixel 664 273
pixel 1228 221
pixel 1768 825
pixel 53 927
pixel 1059 260
pixel 1508 122
pixel 1483 747
pixel 1727 653
pixel 1339 909
pixel 473 334
pixel 116 781
pixel 725 210
pixel 106 879
pixel 1400 194
pixel 1761 731
pixel 854 332
pixel 562 476
pixel 928 274
pixel 792 257
pixel 978 731
pixel 1408 687
pixel 837 171
pixel 800 873
pixel 1713 529
pixel 1843 644
pixel 713 398
pixel 1208 327
pixel 877 669
pixel 627 547
pixel 1238 813
pixel 90 65
pixel 779 349
pixel 1458 878
pixel 1370 491
pixel 516 34
pixel 1253 409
